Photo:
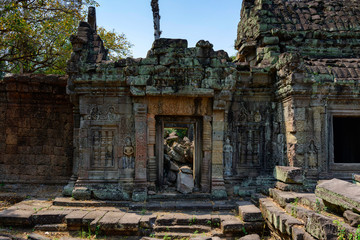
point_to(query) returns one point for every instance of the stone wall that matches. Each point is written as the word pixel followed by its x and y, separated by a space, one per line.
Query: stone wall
pixel 36 130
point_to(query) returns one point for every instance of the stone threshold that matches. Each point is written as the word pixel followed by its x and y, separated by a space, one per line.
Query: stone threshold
pixel 152 204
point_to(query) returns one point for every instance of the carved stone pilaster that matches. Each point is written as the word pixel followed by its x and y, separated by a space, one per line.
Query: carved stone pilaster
pixel 206 161
pixel 151 148
pixel 217 181
pixel 140 190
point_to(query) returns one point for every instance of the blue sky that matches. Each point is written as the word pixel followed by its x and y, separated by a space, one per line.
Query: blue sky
pixel 212 20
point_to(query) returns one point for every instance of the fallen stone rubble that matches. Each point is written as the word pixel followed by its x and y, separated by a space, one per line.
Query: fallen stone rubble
pixel 283 214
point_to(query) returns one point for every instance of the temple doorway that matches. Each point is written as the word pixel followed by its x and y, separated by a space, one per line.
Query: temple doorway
pixel 178 154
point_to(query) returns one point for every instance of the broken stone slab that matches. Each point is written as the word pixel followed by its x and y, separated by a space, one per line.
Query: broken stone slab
pixel 287 222
pixel 35 236
pixel 16 217
pixel 232 225
pixel 299 233
pixel 249 212
pixel 339 195
pixel 352 218
pixel 298 211
pixel 165 219
pixel 61 227
pixel 50 216
pixel 250 237
pixel 109 223
pixel 92 219
pixel 185 182
pixel 289 187
pixel 147 220
pixel 74 219
pixel 289 174
pixel 130 222
pixel 81 193
pixel 282 198
pixel 321 227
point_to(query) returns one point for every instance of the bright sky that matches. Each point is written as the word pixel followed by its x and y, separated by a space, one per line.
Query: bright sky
pixel 212 20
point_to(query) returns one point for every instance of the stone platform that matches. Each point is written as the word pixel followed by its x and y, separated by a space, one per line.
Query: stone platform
pixel 176 219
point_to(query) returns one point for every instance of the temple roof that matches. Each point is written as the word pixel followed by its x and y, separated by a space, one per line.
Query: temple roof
pixel 334 70
pixel 325 32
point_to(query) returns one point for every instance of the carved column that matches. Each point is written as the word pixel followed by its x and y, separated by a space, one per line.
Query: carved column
pixel 140 190
pixel 218 185
pixel 206 161
pixel 67 191
pixel 151 148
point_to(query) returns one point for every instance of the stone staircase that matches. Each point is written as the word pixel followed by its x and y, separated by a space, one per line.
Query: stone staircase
pixel 244 218
pixel 296 215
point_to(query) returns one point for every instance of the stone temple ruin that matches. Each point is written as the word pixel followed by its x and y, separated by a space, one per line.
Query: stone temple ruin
pixel 290 98
pixel 189 121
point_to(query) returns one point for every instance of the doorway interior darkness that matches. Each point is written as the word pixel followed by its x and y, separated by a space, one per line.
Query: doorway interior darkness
pixel 346 139
pixel 178 144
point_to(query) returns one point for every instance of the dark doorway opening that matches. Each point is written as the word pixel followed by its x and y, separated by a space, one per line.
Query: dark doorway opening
pixel 346 139
pixel 178 153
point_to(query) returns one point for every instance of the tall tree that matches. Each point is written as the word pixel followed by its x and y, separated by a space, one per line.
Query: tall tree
pixel 156 17
pixel 35 34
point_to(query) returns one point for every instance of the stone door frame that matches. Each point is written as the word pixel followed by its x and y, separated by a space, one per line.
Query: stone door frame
pixel 338 169
pixel 159 146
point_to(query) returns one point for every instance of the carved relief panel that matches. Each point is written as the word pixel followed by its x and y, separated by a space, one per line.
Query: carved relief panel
pixel 103 147
pixel 250 129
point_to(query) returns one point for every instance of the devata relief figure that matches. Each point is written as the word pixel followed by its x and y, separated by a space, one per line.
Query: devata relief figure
pixel 312 156
pixel 128 157
pixel 228 152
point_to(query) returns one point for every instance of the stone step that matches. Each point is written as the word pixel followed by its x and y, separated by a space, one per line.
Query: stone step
pixel 178 196
pixel 152 204
pixel 249 212
pixel 277 219
pixel 50 216
pixel 70 202
pixel 183 229
pixel 189 236
pixel 74 220
pixel 306 199
pixel 62 227
pixel 234 226
pixel 316 223
pixel 185 219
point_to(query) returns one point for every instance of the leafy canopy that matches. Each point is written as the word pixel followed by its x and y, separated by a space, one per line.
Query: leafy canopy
pixel 34 35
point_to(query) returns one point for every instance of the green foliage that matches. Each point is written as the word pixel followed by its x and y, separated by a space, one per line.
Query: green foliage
pixel 293 208
pixel 181 132
pixel 192 221
pixel 244 231
pixel 35 34
pixel 318 207
pixel 143 211
pixel 117 44
pixel 342 235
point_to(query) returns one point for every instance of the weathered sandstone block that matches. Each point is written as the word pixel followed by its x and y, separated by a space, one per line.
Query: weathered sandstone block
pixel 289 174
pixel 339 195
